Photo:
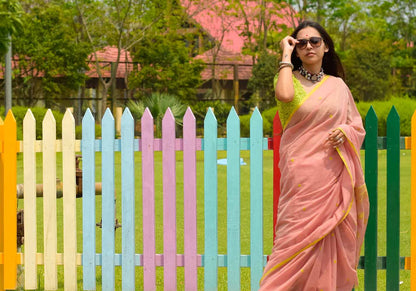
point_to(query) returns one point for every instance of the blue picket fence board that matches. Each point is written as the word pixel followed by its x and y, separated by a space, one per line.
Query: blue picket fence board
pixel 108 215
pixel 233 201
pixel 256 198
pixel 210 202
pixel 127 200
pixel 88 201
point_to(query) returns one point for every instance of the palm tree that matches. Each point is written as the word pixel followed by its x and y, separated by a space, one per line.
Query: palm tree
pixel 158 103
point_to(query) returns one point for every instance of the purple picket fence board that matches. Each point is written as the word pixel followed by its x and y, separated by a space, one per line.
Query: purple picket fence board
pixel 169 200
pixel 148 178
pixel 189 176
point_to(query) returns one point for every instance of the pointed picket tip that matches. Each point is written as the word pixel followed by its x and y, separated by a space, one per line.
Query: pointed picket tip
pixel 393 116
pixel 68 117
pixel 87 116
pixel 210 115
pixel 147 114
pixel 126 114
pixel 232 113
pixel 233 117
pixel 29 115
pixel 371 113
pixel 393 112
pixel 49 116
pixel 414 118
pixel 189 115
pixel 168 115
pixel 256 115
pixel 108 115
pixel 9 117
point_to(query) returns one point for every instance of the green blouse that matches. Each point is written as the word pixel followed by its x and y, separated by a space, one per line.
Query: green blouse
pixel 286 109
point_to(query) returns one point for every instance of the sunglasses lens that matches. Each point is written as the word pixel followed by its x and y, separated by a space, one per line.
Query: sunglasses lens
pixel 302 43
pixel 315 41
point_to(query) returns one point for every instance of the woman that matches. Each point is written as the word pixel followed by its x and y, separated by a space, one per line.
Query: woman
pixel 323 207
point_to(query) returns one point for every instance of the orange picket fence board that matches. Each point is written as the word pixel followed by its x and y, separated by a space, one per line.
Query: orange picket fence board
pixel 8 202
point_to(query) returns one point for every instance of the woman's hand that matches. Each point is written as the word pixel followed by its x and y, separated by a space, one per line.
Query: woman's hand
pixel 288 44
pixel 336 138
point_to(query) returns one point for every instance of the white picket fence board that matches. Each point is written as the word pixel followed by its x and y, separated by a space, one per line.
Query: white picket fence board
pixel 49 200
pixel 69 202
pixel 29 176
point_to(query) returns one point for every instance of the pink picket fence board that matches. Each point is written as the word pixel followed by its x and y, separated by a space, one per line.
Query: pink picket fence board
pixel 149 245
pixel 189 175
pixel 169 200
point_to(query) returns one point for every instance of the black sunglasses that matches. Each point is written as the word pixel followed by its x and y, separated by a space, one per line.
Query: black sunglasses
pixel 315 42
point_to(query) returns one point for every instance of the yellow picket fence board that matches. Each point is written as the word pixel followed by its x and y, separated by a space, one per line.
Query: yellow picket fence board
pixel 413 207
pixel 8 203
pixel 49 200
pixel 69 202
pixel 29 176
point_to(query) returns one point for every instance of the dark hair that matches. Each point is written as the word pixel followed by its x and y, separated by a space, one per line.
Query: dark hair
pixel 331 63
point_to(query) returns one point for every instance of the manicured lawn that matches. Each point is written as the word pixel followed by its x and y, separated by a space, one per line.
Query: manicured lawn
pixel 222 247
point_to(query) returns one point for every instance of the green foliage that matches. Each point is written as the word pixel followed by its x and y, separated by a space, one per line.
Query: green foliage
pixel 221 111
pixel 405 108
pixel 10 22
pixel 166 66
pixel 50 56
pixel 158 103
pixel 368 68
pixel 19 113
pixel 268 117
pixel 261 81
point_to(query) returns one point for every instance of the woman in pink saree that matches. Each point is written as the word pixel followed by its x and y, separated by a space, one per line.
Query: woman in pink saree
pixel 323 206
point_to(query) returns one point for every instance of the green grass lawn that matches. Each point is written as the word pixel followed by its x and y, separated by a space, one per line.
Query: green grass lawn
pixel 222 247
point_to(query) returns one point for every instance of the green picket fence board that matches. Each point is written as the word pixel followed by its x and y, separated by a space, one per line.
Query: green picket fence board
pixel 371 178
pixel 393 200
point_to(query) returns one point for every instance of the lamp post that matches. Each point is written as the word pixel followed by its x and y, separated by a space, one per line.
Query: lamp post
pixel 8 79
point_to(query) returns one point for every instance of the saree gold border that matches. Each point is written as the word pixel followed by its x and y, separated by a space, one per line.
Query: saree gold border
pixel 304 99
pixel 350 142
pixel 321 238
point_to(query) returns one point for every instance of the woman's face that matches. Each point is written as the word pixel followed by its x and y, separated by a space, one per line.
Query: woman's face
pixel 312 48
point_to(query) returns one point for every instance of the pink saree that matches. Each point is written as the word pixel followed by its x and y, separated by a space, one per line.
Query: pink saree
pixel 323 207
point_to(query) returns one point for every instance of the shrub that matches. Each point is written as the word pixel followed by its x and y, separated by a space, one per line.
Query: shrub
pixel 267 116
pixel 405 108
pixel 19 113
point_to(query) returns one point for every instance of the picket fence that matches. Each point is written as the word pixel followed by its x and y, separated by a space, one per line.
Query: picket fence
pixel 211 260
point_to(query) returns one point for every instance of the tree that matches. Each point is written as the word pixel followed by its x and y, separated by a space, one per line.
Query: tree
pixel 10 22
pixel 166 66
pixel 368 67
pixel 119 23
pixel 50 58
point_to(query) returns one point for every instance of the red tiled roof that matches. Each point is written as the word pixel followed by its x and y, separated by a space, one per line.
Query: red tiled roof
pixel 229 26
pixel 105 57
pixel 224 69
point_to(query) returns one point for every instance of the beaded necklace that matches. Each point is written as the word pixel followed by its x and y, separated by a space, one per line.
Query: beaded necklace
pixel 311 77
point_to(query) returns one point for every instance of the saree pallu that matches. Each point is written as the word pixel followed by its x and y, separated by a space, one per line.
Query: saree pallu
pixel 323 205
